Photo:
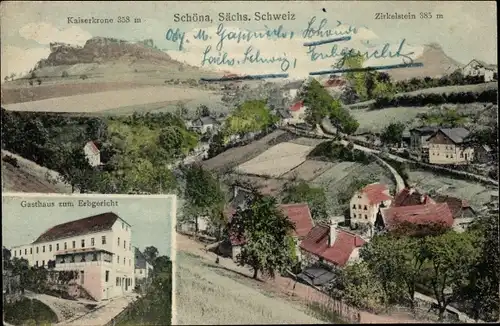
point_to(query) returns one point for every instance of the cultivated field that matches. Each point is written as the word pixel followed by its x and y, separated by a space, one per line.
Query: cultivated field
pixel 277 160
pixel 309 170
pixel 206 294
pixel 475 193
pixel 110 100
pixel 239 155
pixel 269 186
pixel 377 120
pixel 338 178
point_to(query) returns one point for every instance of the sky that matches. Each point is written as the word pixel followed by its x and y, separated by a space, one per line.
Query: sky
pixel 466 30
pixel 152 218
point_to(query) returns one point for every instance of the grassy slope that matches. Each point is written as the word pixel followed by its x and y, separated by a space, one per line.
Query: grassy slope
pixel 27 310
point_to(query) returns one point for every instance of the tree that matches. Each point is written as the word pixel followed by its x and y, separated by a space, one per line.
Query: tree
pixel 361 288
pixel 265 231
pixel 39 81
pixel 150 253
pixel 356 79
pixel 6 78
pixel 171 140
pixel 203 111
pixel 451 256
pixel 482 291
pixel 75 169
pixel 162 264
pixel 64 74
pixel 318 102
pixel 33 75
pixel 203 197
pixel 393 133
pixel 396 262
pixel 315 197
pixel 216 145
pixel 181 110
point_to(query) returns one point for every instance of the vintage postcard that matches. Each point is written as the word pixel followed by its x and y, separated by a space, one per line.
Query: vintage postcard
pixel 87 259
pixel 317 150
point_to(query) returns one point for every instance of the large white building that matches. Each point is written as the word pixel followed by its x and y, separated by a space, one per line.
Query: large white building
pixel 99 248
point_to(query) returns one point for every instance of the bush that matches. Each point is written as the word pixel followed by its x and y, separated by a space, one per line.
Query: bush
pixel 11 160
pixel 83 77
pixel 64 74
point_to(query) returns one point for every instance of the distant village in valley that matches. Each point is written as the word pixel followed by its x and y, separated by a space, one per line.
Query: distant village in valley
pixel 373 201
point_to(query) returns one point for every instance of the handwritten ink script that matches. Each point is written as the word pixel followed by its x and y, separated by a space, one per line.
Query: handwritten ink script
pixel 237 47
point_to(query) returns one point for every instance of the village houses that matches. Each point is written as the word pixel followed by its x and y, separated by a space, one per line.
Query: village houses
pixel 449 146
pixel 418 141
pixel 203 125
pixel 98 248
pixel 92 153
pixel 143 268
pixel 479 68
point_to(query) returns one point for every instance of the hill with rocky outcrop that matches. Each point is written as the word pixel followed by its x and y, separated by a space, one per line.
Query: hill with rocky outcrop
pixel 436 63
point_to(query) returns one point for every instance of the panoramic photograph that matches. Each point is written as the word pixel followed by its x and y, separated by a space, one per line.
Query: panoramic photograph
pixel 87 259
pixel 332 162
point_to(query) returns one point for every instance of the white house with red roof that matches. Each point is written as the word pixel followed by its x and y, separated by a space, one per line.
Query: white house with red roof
pixel 298 112
pixel 98 248
pixel 330 245
pixel 92 153
pixel 299 214
pixel 365 203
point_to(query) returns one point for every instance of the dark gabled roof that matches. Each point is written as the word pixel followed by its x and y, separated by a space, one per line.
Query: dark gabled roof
pixel 456 135
pixel 457 206
pixel 426 130
pixel 91 224
pixel 203 121
pixel 140 260
pixel 316 275
pixel 483 64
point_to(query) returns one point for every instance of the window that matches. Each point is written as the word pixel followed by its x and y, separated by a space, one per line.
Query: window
pixel 31 251
pixel 43 248
pixel 107 276
pixel 446 155
pixel 72 259
pixel 15 253
pixel 36 249
pixel 140 272
pixel 36 263
pixel 353 215
pixel 130 262
pixel 118 240
pixel 83 243
pixel 25 251
pixel 50 248
pixel 365 208
pixel 83 258
pixel 103 239
pixel 117 281
pixel 74 244
pixel 359 206
pixel 65 245
pixel 57 246
pixel 94 257
pixel 118 259
pixel 129 247
pixel 124 244
pixel 354 206
pixel 366 217
pixel 123 260
pixel 92 243
pixel 123 225
pixel 43 263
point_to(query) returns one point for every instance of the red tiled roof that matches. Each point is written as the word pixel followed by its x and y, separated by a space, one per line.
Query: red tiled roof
pixel 334 82
pixel 93 147
pixel 376 193
pixel 299 214
pixel 92 224
pixel 316 243
pixel 405 198
pixel 297 106
pixel 418 214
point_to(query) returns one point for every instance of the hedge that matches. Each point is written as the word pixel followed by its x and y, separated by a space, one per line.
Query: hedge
pixel 436 99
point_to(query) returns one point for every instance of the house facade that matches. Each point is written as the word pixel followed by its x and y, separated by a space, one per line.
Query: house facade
pixel 418 141
pixel 98 248
pixel 92 153
pixel 365 203
pixel 143 268
pixel 203 125
pixel 292 89
pixel 330 245
pixel 448 146
pixel 479 68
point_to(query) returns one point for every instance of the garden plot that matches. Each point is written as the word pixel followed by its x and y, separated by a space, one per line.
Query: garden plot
pixel 268 186
pixel 475 193
pixel 277 160
pixel 308 141
pixel 309 170
pixel 377 120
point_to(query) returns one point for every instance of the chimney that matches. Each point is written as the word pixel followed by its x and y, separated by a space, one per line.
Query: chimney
pixel 333 232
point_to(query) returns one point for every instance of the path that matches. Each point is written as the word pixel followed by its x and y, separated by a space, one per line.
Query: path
pixel 282 285
pixel 103 314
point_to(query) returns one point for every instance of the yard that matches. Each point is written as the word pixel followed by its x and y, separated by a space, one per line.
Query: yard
pixel 475 193
pixel 276 161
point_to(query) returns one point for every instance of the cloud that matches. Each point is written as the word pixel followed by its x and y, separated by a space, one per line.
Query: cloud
pixel 20 61
pixel 287 49
pixel 45 33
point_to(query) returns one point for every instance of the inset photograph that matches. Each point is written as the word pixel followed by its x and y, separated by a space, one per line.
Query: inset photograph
pixel 87 259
